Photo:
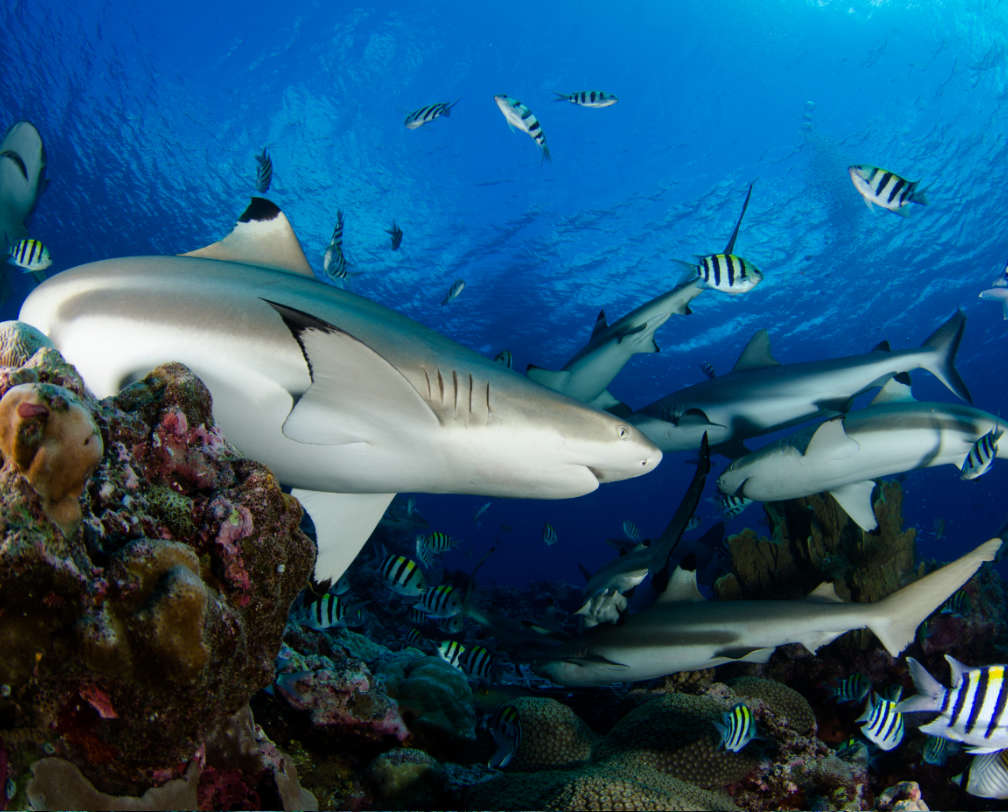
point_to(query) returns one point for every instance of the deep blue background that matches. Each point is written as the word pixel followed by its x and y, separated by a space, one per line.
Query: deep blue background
pixel 151 117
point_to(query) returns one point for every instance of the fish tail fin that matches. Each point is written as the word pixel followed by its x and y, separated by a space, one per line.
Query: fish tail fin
pixel 559 96
pixel 919 196
pixel 546 154
pixel 894 620
pixel 942 345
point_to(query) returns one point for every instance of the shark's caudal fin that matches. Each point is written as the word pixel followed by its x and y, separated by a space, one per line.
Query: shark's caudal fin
pixel 943 344
pixel 895 619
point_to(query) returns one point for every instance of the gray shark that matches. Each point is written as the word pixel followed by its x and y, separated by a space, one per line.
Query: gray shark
pixel 761 395
pixel 845 454
pixel 997 294
pixel 347 401
pixel 22 171
pixel 587 374
pixel 685 632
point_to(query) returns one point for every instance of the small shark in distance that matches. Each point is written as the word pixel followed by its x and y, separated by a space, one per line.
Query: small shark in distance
pixel 22 171
pixel 845 454
pixel 761 395
pixel 345 400
pixel 685 632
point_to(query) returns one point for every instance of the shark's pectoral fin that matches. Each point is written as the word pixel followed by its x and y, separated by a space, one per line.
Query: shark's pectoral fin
pixel 855 499
pixel 383 399
pixel 554 379
pixel 343 522
pixel 262 236
pixel 749 654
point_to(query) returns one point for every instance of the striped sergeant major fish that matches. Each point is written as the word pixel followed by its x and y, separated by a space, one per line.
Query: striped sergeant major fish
pixel 442 601
pixel 334 264
pixel 727 272
pixel 415 639
pixel 981 456
pixel 958 604
pixel 520 117
pixel 505 727
pixel 883 722
pixel 935 751
pixel 453 291
pixel 987 776
pixel 477 662
pixel 325 612
pixel 29 255
pixel 403 576
pixel 851 749
pixel 972 711
pixel 588 98
pixel 396 234
pixel 504 357
pixel 549 534
pixel 885 189
pixel 852 689
pixel 426 114
pixel 737 728
pixel 433 544
pixel 417 616
pixel 451 652
pixel 264 171
pixel 732 504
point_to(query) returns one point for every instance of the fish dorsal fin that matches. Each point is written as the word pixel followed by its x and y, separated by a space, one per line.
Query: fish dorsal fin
pixel 756 354
pixel 600 325
pixel 682 586
pixel 731 241
pixel 894 391
pixel 831 440
pixel 262 236
pixel 956 670
pixel 826 593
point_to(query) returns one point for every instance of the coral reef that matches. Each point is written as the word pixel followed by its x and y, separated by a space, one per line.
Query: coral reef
pixel 133 634
pixel 790 707
pixel 406 778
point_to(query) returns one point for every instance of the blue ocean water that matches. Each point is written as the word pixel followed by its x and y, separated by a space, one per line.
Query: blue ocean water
pixel 152 115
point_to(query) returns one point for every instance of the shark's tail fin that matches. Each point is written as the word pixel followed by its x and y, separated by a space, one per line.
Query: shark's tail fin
pixel 895 619
pixel 942 346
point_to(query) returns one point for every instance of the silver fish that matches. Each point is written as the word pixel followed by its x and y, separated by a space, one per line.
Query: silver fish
pixel 885 189
pixel 454 291
pixel 588 98
pixel 519 116
pixel 428 113
pixel 264 172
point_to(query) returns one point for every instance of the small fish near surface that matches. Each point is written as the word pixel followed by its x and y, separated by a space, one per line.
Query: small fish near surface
pixel 981 456
pixel 883 723
pixel 737 728
pixel 886 189
pixel 396 234
pixel 264 171
pixel 726 272
pixel 973 711
pixel 453 291
pixel 505 728
pixel 428 113
pixel 334 263
pixel 519 116
pixel 29 255
pixel 588 98
pixel 549 534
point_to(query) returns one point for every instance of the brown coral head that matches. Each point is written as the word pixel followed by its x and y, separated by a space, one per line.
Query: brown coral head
pixel 51 437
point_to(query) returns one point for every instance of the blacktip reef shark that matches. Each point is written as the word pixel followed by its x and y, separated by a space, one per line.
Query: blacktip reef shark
pixel 22 170
pixel 684 632
pixel 844 455
pixel 345 400
pixel 761 395
pixel 589 372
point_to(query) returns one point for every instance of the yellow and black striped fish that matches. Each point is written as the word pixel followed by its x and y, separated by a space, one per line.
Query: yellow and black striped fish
pixel 519 116
pixel 403 576
pixel 883 722
pixel 30 255
pixel 443 601
pixel 451 652
pixel 737 728
pixel 885 189
pixel 588 98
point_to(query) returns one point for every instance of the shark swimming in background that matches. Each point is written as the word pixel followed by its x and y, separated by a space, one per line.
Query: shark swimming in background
pixel 844 455
pixel 685 632
pixel 345 400
pixel 591 369
pixel 761 395
pixel 22 180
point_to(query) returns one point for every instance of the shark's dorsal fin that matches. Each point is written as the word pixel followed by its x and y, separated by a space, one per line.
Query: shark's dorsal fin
pixel 756 354
pixel 831 439
pixel 855 499
pixel 731 241
pixel 893 391
pixel 262 236
pixel 682 586
pixel 826 593
pixel 882 346
pixel 600 325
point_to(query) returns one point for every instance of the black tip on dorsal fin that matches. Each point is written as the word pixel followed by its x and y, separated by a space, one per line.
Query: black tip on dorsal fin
pixel 259 210
pixel 882 346
pixel 688 563
pixel 902 377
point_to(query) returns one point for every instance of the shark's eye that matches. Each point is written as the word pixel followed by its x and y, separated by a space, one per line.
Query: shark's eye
pixel 622 432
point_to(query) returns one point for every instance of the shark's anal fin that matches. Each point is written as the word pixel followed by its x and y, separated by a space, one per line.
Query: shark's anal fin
pixel 323 415
pixel 855 499
pixel 262 236
pixel 343 523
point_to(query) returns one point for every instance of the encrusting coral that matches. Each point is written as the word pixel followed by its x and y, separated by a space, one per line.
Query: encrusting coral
pixel 131 635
